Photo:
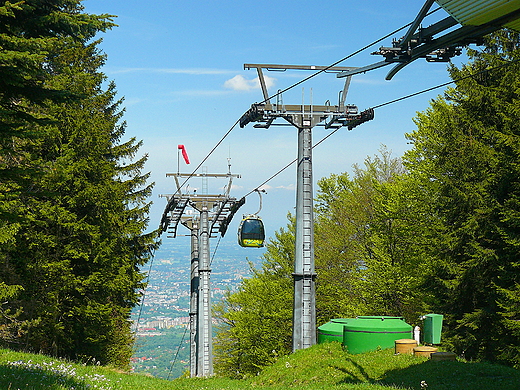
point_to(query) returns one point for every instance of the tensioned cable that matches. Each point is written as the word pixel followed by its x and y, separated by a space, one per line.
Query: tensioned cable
pixel 388 103
pixel 215 251
pixel 508 63
pixel 177 354
pixel 295 85
pixel 141 305
pixel 289 164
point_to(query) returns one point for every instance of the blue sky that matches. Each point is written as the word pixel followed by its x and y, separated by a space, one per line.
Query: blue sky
pixel 179 66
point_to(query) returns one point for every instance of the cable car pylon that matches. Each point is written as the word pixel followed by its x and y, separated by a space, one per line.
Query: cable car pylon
pixel 204 215
pixel 304 118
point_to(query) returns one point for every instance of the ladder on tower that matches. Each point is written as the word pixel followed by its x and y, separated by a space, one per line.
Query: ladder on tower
pixel 176 214
pixel 221 215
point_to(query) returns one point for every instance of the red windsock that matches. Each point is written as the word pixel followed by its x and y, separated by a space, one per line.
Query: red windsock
pixel 184 153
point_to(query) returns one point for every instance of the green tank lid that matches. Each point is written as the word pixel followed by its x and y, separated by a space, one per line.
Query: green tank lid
pixel 378 324
pixel 342 321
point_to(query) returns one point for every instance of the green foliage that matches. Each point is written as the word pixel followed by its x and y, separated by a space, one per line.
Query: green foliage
pixel 370 253
pixel 256 321
pixel 370 259
pixel 10 325
pixel 29 32
pixel 73 198
pixel 466 151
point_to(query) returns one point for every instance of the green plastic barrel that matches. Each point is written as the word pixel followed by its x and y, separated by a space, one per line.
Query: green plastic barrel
pixel 332 330
pixel 368 333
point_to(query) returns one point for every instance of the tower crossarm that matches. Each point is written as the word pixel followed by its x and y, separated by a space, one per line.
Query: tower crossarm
pixel 335 116
pixel 443 40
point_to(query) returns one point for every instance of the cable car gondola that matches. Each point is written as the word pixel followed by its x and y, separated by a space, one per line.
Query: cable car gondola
pixel 251 232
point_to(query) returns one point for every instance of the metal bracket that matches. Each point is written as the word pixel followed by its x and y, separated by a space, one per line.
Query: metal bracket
pixel 420 42
pixel 283 68
pixel 299 115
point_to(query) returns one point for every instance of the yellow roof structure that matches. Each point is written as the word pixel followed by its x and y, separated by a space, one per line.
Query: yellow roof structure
pixel 478 12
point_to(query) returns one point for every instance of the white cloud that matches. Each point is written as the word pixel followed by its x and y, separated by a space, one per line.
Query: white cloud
pixel 240 83
pixel 290 187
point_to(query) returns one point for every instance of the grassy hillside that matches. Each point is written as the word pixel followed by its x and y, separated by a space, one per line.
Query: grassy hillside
pixel 321 367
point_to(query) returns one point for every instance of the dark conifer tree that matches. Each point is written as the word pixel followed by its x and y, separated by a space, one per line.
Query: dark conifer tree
pixel 467 149
pixel 28 31
pixel 81 212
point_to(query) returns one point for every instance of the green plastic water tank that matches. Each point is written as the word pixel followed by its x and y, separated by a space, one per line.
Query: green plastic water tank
pixel 332 330
pixel 368 333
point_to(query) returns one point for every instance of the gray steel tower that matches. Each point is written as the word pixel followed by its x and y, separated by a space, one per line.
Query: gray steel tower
pixel 304 118
pixel 208 214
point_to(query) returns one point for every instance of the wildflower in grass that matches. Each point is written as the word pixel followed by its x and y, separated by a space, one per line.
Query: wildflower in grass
pixel 65 375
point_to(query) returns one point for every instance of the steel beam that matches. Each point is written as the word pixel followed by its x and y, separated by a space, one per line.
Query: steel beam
pixel 278 67
pixel 418 19
pixel 194 299
pixel 205 329
pixel 425 44
pixel 304 315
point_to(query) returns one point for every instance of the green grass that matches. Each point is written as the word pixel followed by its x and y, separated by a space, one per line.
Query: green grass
pixel 324 366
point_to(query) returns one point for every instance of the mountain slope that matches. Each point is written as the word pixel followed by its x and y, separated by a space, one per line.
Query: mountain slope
pixel 324 366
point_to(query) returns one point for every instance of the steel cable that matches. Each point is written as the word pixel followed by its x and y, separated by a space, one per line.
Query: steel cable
pixel 388 103
pixel 293 86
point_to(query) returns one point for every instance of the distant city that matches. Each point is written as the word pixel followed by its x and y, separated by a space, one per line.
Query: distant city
pixel 162 319
pixel 166 298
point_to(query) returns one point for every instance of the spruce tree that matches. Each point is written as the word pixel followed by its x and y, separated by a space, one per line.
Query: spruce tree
pixel 28 31
pixel 467 150
pixel 82 210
